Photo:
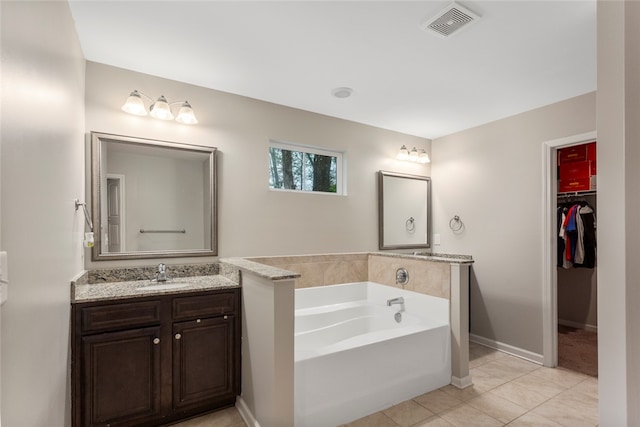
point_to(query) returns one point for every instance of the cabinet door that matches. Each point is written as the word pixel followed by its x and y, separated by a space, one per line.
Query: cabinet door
pixel 204 362
pixel 120 377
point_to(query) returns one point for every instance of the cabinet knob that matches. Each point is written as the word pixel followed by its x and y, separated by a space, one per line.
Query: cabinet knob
pixel 226 317
pixel 156 340
pixel 198 321
pixel 178 336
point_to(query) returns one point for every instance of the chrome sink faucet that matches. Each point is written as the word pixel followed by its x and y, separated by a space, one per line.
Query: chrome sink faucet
pixel 161 276
pixel 392 301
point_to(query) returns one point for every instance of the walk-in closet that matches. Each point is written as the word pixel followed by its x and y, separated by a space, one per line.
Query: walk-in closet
pixel 577 259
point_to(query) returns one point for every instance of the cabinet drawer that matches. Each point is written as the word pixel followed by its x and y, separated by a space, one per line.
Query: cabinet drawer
pixel 117 316
pixel 204 305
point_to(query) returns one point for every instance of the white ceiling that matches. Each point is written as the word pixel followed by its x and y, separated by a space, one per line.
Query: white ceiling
pixel 518 56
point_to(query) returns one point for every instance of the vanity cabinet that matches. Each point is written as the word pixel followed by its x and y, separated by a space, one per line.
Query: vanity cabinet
pixel 149 361
pixel 204 350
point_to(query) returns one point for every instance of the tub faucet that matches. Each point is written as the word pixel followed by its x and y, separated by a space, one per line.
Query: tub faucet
pixel 161 276
pixel 392 301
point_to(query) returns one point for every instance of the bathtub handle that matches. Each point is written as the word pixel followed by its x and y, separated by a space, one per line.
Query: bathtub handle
pixel 402 276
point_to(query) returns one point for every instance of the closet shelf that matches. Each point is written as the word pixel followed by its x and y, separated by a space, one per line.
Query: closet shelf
pixel 578 193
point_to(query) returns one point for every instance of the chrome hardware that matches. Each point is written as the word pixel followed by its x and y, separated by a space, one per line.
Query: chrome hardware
pixel 161 275
pixel 226 317
pixel 402 276
pixel 398 317
pixel 392 301
pixel 178 336
pixel 456 224
pixel 410 225
pixel 156 341
pixel 198 321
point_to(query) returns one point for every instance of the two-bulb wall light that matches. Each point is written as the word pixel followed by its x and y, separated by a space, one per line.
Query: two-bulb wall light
pixel 159 109
pixel 413 156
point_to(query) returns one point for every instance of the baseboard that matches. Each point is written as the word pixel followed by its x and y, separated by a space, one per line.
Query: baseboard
pixel 577 325
pixel 245 413
pixel 461 383
pixel 509 349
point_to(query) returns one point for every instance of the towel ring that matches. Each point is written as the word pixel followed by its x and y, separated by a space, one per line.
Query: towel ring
pixel 455 223
pixel 410 224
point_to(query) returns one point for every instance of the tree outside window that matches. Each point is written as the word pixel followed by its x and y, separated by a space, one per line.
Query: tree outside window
pixel 304 169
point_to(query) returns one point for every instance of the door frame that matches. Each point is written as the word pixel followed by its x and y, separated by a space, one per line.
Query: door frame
pixel 549 245
pixel 121 179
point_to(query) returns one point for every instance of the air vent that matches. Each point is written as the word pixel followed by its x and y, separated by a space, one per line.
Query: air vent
pixel 450 20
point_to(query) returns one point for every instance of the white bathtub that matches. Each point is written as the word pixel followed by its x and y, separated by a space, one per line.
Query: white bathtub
pixel 353 359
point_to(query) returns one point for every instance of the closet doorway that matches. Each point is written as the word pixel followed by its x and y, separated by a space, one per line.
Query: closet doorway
pixel 569 293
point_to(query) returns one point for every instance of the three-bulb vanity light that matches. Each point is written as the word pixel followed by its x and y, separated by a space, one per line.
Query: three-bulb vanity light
pixel 413 155
pixel 159 109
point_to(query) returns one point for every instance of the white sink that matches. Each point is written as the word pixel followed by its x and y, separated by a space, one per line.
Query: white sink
pixel 162 287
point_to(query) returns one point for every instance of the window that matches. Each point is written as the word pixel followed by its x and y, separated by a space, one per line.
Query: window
pixel 299 168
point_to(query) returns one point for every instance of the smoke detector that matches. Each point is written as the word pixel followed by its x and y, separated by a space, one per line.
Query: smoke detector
pixel 450 20
pixel 342 92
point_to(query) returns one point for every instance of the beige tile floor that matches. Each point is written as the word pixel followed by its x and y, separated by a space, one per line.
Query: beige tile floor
pixel 507 391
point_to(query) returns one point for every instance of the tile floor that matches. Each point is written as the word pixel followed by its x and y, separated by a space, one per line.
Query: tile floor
pixel 507 391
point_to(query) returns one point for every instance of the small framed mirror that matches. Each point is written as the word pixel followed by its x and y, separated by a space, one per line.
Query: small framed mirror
pixel 404 210
pixel 152 199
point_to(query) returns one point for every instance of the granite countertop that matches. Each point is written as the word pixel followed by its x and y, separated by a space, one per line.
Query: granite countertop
pixel 428 256
pixel 142 288
pixel 262 270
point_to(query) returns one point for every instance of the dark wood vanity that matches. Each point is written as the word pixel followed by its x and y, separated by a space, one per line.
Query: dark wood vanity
pixel 153 360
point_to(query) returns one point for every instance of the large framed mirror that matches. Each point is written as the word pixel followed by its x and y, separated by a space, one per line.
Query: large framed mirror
pixel 152 199
pixel 404 210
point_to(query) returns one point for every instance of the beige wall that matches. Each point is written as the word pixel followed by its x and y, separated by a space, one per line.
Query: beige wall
pixel 618 205
pixel 491 176
pixel 42 157
pixel 285 223
pixel 578 297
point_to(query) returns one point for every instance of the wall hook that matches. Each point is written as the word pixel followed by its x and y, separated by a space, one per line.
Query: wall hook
pixel 87 217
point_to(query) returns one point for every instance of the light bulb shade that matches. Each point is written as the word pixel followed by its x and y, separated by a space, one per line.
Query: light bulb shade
pixel 186 115
pixel 423 157
pixel 403 154
pixel 161 110
pixel 134 105
pixel 413 155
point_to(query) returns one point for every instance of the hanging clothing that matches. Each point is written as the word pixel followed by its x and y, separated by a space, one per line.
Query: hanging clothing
pixel 571 233
pixel 576 235
pixel 561 238
pixel 588 217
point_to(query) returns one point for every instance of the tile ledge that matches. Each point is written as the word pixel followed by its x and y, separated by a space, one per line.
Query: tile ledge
pixel 435 257
pixel 262 270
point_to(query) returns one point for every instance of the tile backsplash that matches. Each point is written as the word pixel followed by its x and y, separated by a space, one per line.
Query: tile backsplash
pixel 425 276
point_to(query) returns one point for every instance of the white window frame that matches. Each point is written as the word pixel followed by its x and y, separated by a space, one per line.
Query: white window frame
pixel 341 189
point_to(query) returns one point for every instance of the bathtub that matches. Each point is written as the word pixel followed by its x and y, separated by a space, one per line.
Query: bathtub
pixel 352 358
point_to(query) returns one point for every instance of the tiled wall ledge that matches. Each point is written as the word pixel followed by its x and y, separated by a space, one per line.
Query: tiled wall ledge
pixel 318 270
pixel 428 274
pixel 263 270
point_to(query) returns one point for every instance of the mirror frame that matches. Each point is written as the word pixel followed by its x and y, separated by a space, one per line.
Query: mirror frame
pixel 96 174
pixel 381 176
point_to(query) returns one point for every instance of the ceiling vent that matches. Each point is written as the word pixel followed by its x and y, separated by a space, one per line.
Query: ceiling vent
pixel 450 20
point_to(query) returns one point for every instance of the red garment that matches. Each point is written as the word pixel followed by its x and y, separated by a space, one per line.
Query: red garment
pixel 569 243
